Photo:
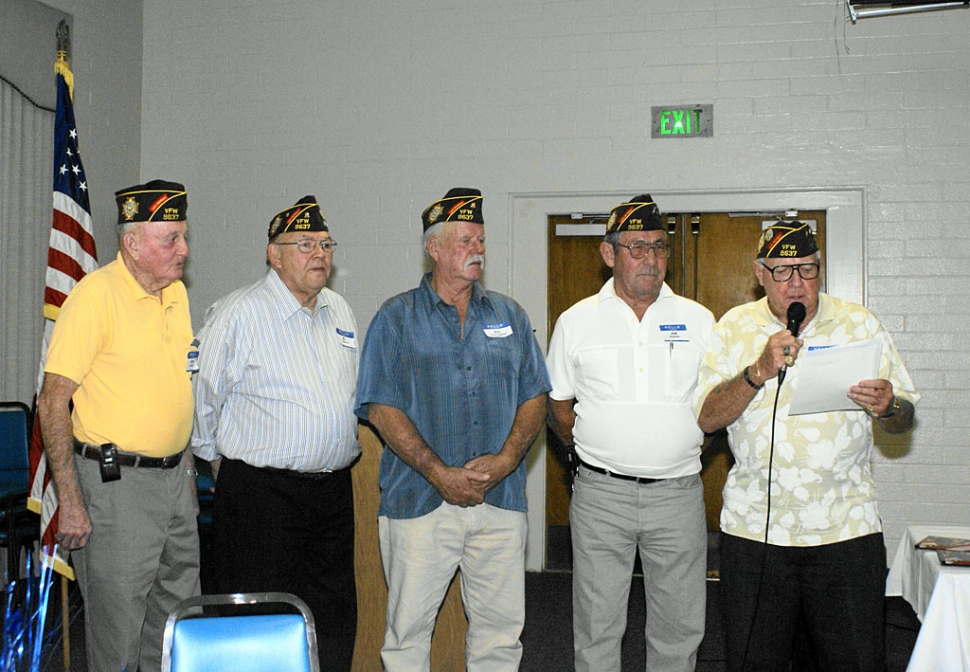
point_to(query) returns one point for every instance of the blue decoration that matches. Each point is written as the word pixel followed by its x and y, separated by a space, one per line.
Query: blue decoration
pixel 23 624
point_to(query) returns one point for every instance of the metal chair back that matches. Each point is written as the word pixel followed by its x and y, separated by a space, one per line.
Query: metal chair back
pixel 240 643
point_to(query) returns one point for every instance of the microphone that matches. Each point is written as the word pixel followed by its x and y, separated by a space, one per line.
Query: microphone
pixel 796 315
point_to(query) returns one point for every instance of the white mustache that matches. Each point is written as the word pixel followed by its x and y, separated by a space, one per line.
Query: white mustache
pixel 476 259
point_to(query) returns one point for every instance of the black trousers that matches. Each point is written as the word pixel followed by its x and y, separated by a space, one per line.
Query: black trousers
pixel 275 531
pixel 833 595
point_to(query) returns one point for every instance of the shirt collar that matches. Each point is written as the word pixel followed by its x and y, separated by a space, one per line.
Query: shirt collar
pixel 826 313
pixel 479 295
pixel 169 295
pixel 287 304
pixel 608 291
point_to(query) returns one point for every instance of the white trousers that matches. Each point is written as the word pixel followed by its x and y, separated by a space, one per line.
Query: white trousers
pixel 421 556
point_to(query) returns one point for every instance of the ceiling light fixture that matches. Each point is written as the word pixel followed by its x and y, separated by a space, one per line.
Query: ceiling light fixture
pixel 861 9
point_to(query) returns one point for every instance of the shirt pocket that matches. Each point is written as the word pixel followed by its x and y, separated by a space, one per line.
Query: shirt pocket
pixel 598 371
pixel 681 368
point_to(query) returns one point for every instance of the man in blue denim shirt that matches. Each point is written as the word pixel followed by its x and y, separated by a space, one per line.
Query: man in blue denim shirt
pixel 452 378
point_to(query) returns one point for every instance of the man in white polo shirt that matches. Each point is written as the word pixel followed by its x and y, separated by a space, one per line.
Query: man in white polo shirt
pixel 623 365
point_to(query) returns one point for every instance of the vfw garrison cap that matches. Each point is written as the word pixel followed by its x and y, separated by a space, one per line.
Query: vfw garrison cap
pixel 639 214
pixel 155 201
pixel 460 204
pixel 787 240
pixel 304 215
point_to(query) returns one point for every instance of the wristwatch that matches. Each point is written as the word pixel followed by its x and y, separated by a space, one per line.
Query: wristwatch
pixel 892 410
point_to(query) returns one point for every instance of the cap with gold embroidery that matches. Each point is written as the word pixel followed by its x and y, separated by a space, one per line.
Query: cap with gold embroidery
pixel 304 215
pixel 155 201
pixel 640 214
pixel 460 204
pixel 787 240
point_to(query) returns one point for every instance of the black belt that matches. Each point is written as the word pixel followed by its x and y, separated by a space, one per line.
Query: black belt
pixel 93 452
pixel 306 475
pixel 623 477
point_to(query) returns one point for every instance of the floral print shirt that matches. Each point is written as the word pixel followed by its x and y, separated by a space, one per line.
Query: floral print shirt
pixel 822 489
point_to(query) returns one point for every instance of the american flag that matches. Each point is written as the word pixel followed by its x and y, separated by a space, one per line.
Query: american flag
pixel 71 255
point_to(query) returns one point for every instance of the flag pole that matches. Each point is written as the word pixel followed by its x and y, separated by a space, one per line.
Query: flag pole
pixel 66 622
pixel 64 54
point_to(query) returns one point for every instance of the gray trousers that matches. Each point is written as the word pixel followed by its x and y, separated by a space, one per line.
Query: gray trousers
pixel 141 560
pixel 610 519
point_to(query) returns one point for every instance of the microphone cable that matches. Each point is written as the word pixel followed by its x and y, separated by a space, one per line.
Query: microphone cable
pixel 764 549
pixel 796 314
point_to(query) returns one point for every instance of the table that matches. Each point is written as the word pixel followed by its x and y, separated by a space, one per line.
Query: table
pixel 940 595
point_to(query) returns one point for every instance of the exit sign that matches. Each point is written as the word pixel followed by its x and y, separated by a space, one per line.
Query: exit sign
pixel 687 121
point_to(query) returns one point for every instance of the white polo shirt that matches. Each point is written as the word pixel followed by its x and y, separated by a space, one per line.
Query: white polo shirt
pixel 633 381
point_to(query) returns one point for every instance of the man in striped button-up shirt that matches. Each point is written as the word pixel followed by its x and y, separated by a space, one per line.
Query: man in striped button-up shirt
pixel 275 415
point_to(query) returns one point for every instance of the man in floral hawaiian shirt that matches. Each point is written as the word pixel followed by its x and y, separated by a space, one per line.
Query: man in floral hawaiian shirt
pixel 802 536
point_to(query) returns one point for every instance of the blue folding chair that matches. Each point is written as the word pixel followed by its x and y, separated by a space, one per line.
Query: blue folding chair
pixel 19 527
pixel 245 643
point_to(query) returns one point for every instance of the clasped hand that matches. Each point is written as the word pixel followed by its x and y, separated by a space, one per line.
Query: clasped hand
pixel 468 484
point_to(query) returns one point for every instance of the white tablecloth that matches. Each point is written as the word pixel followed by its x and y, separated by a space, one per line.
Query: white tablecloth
pixel 940 595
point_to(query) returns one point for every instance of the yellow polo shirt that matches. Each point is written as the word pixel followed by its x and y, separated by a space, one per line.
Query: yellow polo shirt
pixel 128 352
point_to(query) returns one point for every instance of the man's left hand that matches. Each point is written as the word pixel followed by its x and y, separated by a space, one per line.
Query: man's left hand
pixel 496 466
pixel 874 396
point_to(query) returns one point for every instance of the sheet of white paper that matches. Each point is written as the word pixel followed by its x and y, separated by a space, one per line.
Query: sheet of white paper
pixel 825 376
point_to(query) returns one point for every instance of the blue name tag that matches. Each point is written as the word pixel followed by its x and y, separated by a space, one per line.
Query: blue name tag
pixel 346 338
pixel 813 348
pixel 673 327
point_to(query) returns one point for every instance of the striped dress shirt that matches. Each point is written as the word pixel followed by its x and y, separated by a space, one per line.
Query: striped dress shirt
pixel 276 381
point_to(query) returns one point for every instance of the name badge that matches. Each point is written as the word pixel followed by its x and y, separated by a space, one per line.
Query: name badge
pixel 192 361
pixel 346 338
pixel 500 330
pixel 673 333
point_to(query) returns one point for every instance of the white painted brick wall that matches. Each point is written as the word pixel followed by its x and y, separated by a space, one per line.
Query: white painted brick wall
pixel 378 107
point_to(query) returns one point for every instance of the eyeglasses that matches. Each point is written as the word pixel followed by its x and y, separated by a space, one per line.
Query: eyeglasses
pixel 640 250
pixel 784 273
pixel 307 246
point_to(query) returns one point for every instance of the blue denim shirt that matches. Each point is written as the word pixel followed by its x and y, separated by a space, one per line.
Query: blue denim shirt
pixel 461 394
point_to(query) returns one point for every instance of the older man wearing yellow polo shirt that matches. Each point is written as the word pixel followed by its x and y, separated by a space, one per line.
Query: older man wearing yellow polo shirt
pixel 122 350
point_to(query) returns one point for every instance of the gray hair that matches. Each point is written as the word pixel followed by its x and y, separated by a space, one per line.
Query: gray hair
pixel 433 231
pixel 126 227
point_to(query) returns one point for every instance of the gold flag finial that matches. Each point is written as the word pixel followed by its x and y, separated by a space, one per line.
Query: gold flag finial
pixel 63 40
